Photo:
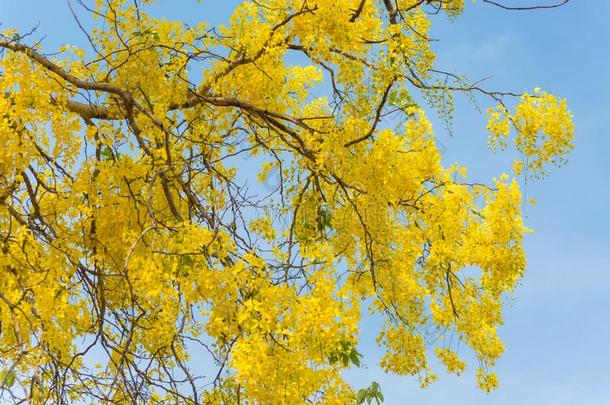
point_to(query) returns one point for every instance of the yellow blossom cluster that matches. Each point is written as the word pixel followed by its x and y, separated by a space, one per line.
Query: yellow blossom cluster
pixel 544 127
pixel 138 265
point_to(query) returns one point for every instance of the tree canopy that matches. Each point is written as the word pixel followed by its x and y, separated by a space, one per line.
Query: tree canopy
pixel 135 258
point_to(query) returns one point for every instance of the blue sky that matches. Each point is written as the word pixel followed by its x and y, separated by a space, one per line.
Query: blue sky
pixel 556 332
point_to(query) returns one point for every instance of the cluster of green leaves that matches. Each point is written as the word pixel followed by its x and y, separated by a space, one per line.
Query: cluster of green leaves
pixel 370 394
pixel 346 354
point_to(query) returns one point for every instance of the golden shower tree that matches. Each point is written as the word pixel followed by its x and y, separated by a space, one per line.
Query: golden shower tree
pixel 137 267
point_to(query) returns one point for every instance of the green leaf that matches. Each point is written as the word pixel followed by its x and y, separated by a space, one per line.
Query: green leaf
pixel 106 153
pixel 7 378
pixel 361 395
pixel 345 359
pixel 187 260
pixel 355 357
pixel 333 358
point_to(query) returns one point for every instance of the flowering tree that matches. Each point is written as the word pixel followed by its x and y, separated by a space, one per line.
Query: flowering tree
pixel 132 251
